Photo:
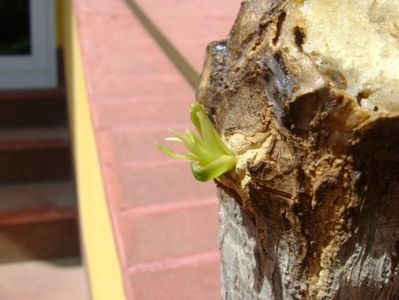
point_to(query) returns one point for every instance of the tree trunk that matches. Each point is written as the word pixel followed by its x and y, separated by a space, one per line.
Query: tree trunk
pixel 311 210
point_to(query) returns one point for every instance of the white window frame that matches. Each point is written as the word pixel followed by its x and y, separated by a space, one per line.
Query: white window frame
pixel 38 69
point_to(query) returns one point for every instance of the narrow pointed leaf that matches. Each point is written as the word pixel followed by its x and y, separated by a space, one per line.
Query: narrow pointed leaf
pixel 206 128
pixel 196 139
pixel 171 153
pixel 173 139
pixel 213 170
pixel 199 149
pixel 194 109
pixel 210 156
pixel 210 135
pixel 188 143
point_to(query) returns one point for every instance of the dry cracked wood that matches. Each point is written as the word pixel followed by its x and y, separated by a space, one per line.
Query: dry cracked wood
pixel 312 209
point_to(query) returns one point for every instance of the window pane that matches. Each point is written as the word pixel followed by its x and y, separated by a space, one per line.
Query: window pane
pixel 14 27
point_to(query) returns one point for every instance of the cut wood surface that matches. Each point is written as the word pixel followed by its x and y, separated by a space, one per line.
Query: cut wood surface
pixel 311 211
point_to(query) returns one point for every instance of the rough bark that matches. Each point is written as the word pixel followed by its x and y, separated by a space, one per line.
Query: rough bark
pixel 311 210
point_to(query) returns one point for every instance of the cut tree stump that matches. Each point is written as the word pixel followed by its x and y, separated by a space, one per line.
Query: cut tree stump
pixel 312 209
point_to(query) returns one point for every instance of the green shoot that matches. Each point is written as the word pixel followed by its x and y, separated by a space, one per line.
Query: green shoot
pixel 209 155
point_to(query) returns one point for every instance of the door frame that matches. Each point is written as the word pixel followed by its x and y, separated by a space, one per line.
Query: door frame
pixel 38 69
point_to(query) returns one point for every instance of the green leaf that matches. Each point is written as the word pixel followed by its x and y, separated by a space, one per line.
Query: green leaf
pixel 197 148
pixel 171 153
pixel 210 157
pixel 194 108
pixel 213 170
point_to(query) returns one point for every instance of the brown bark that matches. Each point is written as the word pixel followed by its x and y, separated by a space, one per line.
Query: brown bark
pixel 312 209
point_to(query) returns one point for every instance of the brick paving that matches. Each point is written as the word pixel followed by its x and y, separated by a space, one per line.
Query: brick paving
pixel 165 222
pixel 191 25
pixel 196 278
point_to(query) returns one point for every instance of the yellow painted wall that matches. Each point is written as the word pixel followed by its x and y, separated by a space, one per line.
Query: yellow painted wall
pixel 100 254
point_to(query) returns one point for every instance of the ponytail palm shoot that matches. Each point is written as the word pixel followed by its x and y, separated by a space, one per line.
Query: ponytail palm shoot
pixel 210 157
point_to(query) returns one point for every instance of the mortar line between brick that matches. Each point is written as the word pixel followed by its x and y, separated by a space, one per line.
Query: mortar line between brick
pixel 170 264
pixel 184 67
pixel 164 208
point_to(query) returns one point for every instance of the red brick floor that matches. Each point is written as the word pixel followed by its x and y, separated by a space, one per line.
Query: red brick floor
pixel 191 25
pixel 164 221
